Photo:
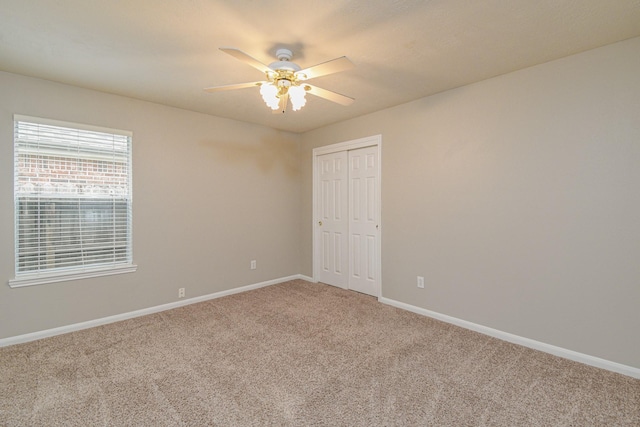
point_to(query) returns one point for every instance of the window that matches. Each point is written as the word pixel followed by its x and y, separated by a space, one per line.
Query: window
pixel 72 201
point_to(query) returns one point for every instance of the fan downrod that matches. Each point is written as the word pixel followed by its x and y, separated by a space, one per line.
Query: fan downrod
pixel 284 54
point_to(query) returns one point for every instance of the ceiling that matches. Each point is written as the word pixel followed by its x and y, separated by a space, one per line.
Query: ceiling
pixel 166 51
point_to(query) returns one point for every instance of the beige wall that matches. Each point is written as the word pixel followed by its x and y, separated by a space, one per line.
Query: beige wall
pixel 210 194
pixel 518 200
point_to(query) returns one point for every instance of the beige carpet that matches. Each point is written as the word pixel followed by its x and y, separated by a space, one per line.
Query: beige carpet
pixel 299 354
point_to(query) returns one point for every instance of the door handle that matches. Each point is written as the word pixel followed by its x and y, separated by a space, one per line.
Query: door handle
pixel 320 223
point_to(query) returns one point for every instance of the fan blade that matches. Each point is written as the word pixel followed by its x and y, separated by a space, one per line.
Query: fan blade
pixel 238 54
pixel 329 67
pixel 327 94
pixel 283 104
pixel 231 87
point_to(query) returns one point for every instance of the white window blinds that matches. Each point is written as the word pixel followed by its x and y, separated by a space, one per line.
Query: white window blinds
pixel 72 197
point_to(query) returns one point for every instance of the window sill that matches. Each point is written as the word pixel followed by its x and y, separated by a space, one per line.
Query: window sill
pixel 43 278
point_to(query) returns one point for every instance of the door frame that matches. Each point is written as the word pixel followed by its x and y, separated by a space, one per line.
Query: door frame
pixel 369 141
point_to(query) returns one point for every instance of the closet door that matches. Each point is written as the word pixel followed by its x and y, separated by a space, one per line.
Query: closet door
pixel 333 222
pixel 363 220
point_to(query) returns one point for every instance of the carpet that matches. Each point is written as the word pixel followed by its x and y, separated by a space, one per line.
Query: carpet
pixel 300 354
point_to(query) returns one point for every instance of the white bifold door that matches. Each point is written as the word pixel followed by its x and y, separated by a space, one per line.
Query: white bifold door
pixel 348 219
pixel 333 224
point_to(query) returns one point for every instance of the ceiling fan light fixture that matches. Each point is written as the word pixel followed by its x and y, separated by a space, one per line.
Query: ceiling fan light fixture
pixel 297 97
pixel 270 95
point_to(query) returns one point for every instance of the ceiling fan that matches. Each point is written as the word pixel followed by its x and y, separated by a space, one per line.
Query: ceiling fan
pixel 285 80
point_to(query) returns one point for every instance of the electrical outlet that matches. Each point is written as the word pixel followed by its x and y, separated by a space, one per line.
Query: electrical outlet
pixel 181 293
pixel 253 264
pixel 421 282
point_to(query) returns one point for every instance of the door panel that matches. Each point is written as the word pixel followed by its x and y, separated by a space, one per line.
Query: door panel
pixel 363 220
pixel 333 224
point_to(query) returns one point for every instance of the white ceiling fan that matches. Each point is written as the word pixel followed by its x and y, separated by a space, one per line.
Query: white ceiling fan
pixel 285 80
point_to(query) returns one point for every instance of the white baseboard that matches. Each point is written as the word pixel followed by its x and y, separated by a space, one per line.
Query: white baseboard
pixel 516 339
pixel 307 278
pixel 137 313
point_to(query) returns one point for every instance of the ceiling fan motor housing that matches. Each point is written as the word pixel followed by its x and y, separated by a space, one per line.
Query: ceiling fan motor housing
pixel 284 61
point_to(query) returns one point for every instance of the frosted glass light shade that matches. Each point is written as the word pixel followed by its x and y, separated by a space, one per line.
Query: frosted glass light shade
pixel 270 95
pixel 297 97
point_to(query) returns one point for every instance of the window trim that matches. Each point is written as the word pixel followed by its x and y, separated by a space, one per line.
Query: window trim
pixel 63 276
pixel 73 273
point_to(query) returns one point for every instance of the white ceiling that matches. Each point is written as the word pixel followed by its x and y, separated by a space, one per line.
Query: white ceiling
pixel 166 51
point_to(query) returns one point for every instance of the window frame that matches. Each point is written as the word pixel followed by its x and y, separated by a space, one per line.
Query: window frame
pixel 42 276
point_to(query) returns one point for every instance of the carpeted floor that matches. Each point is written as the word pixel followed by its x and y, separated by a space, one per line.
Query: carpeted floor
pixel 298 354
